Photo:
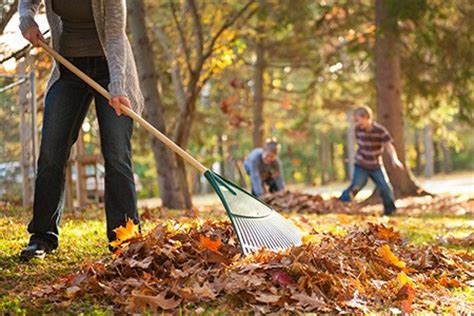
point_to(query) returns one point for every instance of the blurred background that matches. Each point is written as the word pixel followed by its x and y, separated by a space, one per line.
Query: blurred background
pixel 221 76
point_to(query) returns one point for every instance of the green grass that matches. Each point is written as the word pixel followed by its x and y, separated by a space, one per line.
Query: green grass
pixel 83 240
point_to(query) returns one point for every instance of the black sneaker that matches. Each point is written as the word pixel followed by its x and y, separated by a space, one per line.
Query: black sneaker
pixel 35 250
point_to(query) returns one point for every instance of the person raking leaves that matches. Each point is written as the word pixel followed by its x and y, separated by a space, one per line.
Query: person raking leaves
pixel 372 139
pixel 91 35
pixel 265 169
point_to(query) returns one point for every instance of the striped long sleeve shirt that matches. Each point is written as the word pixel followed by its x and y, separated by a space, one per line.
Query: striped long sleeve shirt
pixel 371 145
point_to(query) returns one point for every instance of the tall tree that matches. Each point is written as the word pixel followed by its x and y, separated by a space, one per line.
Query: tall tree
pixel 258 91
pixel 171 193
pixel 388 92
pixel 189 60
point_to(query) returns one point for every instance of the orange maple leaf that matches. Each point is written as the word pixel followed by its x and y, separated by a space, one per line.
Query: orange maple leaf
pixel 407 293
pixel 125 233
pixel 389 257
pixel 208 243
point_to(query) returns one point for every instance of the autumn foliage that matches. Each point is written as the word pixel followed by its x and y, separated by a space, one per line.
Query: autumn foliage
pixel 191 262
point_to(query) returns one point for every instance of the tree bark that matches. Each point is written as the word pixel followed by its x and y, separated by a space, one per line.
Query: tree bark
pixel 259 69
pixel 446 160
pixel 418 152
pixel 7 13
pixel 325 158
pixel 429 151
pixel 388 100
pixel 172 194
pixel 350 144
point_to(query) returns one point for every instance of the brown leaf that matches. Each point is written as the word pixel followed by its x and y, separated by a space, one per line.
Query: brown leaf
pixel 407 294
pixel 312 302
pixel 138 302
pixel 71 291
pixel 267 298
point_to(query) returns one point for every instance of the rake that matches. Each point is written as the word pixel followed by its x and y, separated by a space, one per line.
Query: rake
pixel 256 224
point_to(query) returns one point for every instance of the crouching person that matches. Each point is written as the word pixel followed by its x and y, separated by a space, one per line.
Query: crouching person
pixel 372 138
pixel 265 169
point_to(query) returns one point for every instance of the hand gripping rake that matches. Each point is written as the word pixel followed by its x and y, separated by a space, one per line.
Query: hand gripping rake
pixel 256 224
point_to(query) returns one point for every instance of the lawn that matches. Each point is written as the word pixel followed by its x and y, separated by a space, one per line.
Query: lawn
pixel 83 243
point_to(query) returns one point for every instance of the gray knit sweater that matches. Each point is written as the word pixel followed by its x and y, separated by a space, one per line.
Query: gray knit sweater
pixel 110 19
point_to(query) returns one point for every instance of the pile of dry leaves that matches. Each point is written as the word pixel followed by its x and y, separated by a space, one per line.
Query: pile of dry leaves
pixel 302 202
pixel 190 262
pixel 413 206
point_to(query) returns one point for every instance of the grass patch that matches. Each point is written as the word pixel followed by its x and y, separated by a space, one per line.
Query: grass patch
pixel 83 240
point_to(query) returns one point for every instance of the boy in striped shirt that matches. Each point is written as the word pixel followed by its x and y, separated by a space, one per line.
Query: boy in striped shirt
pixel 372 139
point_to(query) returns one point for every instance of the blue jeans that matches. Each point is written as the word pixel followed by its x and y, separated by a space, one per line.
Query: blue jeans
pixel 359 180
pixel 66 106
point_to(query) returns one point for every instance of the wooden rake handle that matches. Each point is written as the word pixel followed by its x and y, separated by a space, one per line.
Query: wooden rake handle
pixel 168 142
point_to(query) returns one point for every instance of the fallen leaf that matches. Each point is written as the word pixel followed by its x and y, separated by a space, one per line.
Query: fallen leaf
pixel 404 279
pixel 138 302
pixel 389 257
pixel 125 233
pixel 281 278
pixel 210 244
pixel 407 294
pixel 448 282
pixel 312 302
pixel 71 291
pixel 385 233
pixel 267 298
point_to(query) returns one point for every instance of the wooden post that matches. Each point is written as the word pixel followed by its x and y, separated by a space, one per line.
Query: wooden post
pixel 25 138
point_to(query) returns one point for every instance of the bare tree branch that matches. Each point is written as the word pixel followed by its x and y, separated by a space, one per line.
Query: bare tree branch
pixel 197 27
pixel 184 43
pixel 225 26
pixel 6 14
pixel 175 68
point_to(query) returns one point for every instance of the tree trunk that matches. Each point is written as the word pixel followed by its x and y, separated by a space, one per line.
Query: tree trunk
pixel 172 194
pixel 388 89
pixel 222 160
pixel 350 144
pixel 418 166
pixel 446 160
pixel 345 160
pixel 325 158
pixel 429 151
pixel 259 69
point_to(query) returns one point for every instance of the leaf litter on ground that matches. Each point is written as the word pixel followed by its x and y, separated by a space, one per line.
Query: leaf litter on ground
pixel 189 262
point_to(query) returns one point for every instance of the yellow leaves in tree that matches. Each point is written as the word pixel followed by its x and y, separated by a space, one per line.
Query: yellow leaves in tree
pixel 126 233
pixel 386 253
pixel 210 244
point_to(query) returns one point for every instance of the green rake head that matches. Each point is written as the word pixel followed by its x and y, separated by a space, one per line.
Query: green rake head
pixel 256 224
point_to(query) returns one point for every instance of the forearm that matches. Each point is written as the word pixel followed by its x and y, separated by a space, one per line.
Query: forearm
pixel 256 180
pixel 27 10
pixel 391 152
pixel 115 45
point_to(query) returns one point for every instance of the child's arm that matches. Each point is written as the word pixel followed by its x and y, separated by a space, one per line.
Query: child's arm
pixel 393 155
pixel 255 178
